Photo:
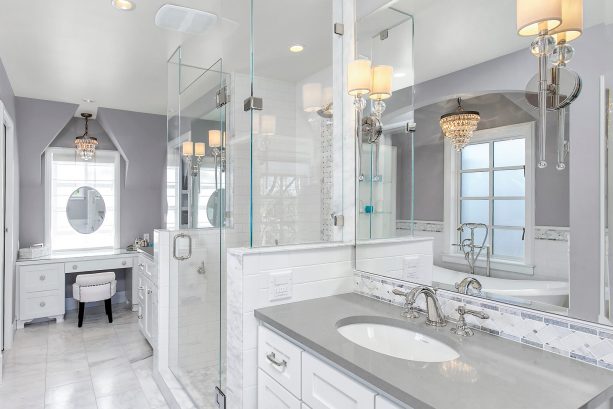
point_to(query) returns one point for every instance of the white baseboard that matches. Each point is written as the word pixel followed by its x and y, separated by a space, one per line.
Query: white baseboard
pixel 119 298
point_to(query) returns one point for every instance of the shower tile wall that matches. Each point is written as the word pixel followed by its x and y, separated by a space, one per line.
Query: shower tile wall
pixel 291 201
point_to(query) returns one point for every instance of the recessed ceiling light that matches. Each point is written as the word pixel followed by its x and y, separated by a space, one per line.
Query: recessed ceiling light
pixel 122 4
pixel 89 100
pixel 400 74
pixel 296 48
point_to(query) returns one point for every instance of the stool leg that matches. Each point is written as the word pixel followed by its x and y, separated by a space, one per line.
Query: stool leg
pixel 109 310
pixel 81 311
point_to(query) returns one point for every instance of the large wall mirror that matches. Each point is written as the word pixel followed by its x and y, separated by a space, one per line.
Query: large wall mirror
pixel 519 204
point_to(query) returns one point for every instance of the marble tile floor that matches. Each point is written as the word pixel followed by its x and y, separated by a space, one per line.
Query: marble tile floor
pixel 196 382
pixel 99 366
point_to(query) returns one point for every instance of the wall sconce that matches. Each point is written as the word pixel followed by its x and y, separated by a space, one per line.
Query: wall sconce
pixel 570 29
pixel 193 154
pixel 558 86
pixel 218 146
pixel 364 80
pixel 539 18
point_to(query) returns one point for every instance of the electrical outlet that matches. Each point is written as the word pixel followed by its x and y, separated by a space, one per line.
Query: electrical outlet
pixel 280 285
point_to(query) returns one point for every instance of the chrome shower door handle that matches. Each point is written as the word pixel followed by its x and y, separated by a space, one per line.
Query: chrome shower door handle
pixel 189 246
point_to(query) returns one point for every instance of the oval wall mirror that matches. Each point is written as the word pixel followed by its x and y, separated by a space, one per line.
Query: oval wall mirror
pixel 86 210
pixel 213 207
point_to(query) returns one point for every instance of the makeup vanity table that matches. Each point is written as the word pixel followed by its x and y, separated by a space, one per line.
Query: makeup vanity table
pixel 41 282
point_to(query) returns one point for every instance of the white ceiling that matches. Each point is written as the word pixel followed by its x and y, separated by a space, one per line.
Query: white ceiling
pixel 68 50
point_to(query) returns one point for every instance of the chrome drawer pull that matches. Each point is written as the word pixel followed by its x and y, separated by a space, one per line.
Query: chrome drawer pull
pixel 42 277
pixel 42 304
pixel 140 288
pixel 273 360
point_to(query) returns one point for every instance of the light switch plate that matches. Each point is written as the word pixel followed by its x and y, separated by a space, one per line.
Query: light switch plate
pixel 280 285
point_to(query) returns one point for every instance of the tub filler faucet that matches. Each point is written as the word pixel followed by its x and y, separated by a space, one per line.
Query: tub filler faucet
pixel 468 246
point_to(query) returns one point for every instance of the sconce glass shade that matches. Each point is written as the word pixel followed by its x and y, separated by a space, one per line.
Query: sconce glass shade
pixel 214 138
pixel 572 22
pixel 536 16
pixel 459 126
pixel 200 149
pixel 381 82
pixel 268 124
pixel 359 78
pixel 188 148
pixel 311 97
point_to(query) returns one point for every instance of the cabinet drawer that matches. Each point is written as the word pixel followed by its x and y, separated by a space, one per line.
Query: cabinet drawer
pixel 280 359
pixel 42 277
pixel 94 265
pixel 382 403
pixel 323 387
pixel 271 395
pixel 52 303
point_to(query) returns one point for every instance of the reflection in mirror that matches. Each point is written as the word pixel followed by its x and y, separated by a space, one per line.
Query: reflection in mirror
pixel 215 207
pixel 501 210
pixel 85 210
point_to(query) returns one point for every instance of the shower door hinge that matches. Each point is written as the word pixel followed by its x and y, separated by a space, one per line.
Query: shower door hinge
pixel 253 104
pixel 222 97
pixel 220 398
pixel 384 34
pixel 339 28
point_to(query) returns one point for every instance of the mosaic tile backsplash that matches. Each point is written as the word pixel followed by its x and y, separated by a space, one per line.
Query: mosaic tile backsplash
pixel 586 342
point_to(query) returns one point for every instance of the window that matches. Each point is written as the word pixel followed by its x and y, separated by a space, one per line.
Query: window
pixel 65 173
pixel 492 179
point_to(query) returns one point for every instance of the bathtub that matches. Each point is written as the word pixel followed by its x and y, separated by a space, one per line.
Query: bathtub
pixel 529 293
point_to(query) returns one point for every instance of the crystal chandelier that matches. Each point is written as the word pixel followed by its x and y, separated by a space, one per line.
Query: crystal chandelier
pixel 459 125
pixel 85 144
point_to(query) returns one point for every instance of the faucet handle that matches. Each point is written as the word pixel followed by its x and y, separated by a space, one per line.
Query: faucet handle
pixel 461 327
pixel 409 308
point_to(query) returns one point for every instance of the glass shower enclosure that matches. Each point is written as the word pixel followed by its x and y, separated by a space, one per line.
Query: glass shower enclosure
pixel 196 169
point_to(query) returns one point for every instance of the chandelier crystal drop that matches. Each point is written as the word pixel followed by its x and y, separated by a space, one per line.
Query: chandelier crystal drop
pixel 85 144
pixel 459 126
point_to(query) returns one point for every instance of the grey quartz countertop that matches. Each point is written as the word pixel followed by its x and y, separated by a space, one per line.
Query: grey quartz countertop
pixel 491 372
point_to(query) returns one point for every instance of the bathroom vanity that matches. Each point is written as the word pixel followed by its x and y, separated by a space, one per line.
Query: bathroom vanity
pixel 305 362
pixel 41 283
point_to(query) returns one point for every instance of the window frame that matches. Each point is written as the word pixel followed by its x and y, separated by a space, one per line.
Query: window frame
pixel 116 157
pixel 453 196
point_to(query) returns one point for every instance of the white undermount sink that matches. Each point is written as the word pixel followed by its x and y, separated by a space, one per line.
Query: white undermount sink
pixel 397 342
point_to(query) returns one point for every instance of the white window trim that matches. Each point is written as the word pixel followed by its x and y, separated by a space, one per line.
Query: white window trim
pixel 48 166
pixel 452 186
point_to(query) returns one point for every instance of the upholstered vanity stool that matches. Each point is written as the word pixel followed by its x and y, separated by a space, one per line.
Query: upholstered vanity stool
pixel 94 287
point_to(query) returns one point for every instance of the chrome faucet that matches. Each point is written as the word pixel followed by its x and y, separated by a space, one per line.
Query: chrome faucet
pixel 468 246
pixel 461 327
pixel 466 283
pixel 435 315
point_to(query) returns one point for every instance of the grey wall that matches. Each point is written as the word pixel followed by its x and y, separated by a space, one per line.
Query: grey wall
pixel 140 138
pixel 38 123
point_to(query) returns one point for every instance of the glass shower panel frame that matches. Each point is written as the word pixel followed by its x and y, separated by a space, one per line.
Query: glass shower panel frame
pixel 197 283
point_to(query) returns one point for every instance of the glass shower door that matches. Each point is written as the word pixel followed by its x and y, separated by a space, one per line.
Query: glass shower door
pixel 196 282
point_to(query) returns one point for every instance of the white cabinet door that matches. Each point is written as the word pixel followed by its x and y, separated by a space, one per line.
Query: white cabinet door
pixel 148 310
pixel 280 359
pixel 271 395
pixel 323 387
pixel 383 403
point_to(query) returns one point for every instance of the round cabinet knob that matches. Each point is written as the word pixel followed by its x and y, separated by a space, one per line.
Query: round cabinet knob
pixel 123 263
pixel 74 266
pixel 42 277
pixel 42 304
